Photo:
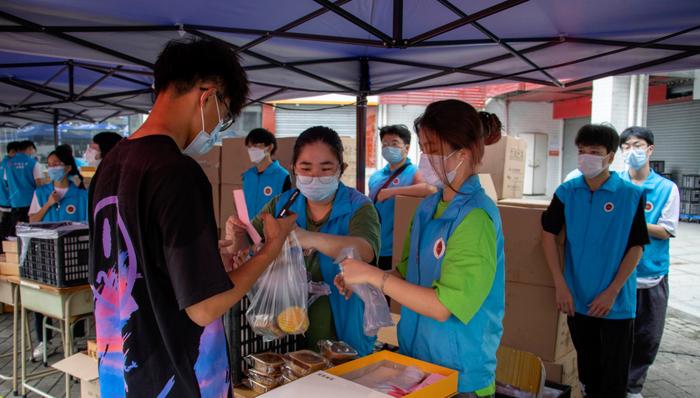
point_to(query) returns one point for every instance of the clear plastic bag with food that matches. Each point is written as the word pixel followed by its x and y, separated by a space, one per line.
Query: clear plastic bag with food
pixel 278 300
pixel 377 314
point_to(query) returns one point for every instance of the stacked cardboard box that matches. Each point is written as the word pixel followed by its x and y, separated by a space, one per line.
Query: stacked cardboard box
pixel 84 368
pixel 532 322
pixel 211 165
pixel 505 161
pixel 9 264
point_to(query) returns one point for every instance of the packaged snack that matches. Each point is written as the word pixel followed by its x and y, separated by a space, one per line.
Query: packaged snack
pixel 267 363
pixel 264 379
pixel 258 388
pixel 288 375
pixel 305 362
pixel 337 351
pixel 293 320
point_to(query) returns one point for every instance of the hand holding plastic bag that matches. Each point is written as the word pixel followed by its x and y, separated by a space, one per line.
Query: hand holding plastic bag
pixel 377 314
pixel 278 300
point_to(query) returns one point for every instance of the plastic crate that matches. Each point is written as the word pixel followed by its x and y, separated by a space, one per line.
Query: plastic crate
pixel 55 254
pixel 658 166
pixel 245 342
pixel 690 181
pixel 689 195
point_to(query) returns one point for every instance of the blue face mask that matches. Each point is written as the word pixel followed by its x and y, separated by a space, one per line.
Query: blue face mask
pixel 204 142
pixel 636 158
pixel 56 173
pixel 318 189
pixel 392 154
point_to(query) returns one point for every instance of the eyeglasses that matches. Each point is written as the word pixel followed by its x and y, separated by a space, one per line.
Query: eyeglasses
pixel 227 120
pixel 636 145
pixel 323 180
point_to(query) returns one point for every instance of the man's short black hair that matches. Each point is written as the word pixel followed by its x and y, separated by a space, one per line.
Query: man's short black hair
pixel 399 130
pixel 262 136
pixel 642 133
pixel 598 135
pixel 24 145
pixel 12 146
pixel 184 63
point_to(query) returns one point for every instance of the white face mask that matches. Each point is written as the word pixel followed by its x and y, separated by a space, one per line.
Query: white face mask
pixel 256 154
pixel 591 165
pixel 318 189
pixel 430 174
pixel 90 157
pixel 203 142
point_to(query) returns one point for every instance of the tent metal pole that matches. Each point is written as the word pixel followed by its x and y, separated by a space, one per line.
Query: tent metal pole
pixel 111 115
pixel 71 79
pixel 114 75
pixel 266 96
pixel 55 127
pixel 463 21
pixel 49 80
pixel 498 41
pixel 361 123
pixel 397 39
pixel 302 63
pixel 357 21
pixel 31 64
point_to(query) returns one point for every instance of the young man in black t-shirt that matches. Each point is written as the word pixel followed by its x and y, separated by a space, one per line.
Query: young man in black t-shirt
pixel 155 266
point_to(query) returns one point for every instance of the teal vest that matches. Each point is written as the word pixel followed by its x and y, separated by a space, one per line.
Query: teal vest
pixel 260 188
pixel 348 315
pixel 72 207
pixel 20 180
pixel 468 348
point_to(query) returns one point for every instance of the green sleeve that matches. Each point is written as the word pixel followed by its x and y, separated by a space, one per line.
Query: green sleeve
pixel 365 224
pixel 402 266
pixel 469 267
pixel 268 208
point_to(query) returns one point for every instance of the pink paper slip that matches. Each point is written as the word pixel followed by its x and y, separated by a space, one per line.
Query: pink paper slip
pixel 242 210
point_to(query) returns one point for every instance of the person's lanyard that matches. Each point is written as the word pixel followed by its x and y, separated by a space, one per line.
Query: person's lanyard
pixel 395 174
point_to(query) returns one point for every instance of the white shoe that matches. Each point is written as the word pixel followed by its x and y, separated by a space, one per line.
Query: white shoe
pixel 38 353
pixel 635 395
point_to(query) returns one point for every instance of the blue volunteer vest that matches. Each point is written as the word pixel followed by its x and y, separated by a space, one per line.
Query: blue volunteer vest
pixel 598 226
pixel 72 207
pixel 348 315
pixel 260 188
pixel 656 258
pixel 386 208
pixel 468 348
pixel 20 180
pixel 4 189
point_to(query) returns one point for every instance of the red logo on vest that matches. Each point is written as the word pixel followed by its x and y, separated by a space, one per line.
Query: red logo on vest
pixel 267 191
pixel 396 181
pixel 609 207
pixel 439 248
pixel 649 207
pixel 70 209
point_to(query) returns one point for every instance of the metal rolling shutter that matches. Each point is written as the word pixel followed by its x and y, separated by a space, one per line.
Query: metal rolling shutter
pixel 289 123
pixel 676 129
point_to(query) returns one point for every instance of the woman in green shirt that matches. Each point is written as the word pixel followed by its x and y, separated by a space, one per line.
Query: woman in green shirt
pixel 331 216
pixel 451 278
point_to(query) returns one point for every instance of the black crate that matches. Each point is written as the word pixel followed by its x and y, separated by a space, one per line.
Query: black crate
pixel 245 342
pixel 690 181
pixel 690 195
pixel 60 261
pixel 658 166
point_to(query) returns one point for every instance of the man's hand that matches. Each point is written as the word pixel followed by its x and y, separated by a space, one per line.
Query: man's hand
pixel 235 231
pixel 600 307
pixel 565 302
pixel 277 229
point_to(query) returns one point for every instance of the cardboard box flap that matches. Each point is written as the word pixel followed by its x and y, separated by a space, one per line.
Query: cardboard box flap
pixel 79 365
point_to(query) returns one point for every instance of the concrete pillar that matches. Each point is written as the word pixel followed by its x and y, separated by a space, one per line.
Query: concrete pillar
pixel 622 102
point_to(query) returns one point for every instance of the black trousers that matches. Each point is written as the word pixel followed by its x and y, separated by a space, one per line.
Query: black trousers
pixel 648 329
pixel 604 350
pixel 18 215
pixel 5 222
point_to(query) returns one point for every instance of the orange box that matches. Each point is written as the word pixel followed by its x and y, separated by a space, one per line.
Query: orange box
pixel 9 246
pixel 443 388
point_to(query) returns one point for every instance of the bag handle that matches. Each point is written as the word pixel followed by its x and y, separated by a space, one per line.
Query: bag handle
pixel 395 174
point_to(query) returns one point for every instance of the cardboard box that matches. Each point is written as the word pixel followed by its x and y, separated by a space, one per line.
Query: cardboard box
pixel 285 151
pixel 389 334
pixel 487 183
pixel 211 164
pixel 226 203
pixel 234 160
pixel 404 210
pixel 533 323
pixel 529 203
pixel 332 384
pixel 12 258
pixel 84 368
pixel 9 246
pixel 216 197
pixel 563 370
pixel 522 232
pixel 505 161
pixel 10 269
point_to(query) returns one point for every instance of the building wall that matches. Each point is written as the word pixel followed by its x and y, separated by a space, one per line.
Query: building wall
pixel 521 117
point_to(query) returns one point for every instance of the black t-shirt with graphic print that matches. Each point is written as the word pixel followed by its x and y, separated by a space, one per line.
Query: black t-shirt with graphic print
pixel 153 253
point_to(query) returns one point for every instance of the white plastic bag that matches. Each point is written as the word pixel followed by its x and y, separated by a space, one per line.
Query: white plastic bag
pixel 377 314
pixel 278 300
